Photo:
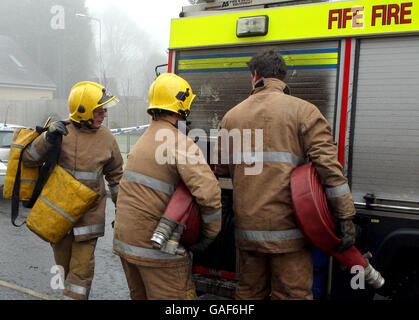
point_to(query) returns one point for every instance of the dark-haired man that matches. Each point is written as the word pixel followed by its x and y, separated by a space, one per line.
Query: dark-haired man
pixel 275 260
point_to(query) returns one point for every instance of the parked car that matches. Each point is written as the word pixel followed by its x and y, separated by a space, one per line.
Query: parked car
pixel 6 136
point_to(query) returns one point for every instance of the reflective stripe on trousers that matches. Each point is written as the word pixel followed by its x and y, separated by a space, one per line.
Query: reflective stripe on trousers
pixel 96 228
pixel 290 234
pixel 207 218
pixel 77 289
pixel 142 252
pixel 251 157
pixel 150 182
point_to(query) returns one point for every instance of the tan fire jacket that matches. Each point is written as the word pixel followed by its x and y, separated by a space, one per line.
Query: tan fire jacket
pixel 155 166
pixel 88 154
pixel 293 131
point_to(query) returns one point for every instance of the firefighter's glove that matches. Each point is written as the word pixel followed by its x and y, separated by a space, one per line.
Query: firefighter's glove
pixel 201 245
pixel 345 230
pixel 56 131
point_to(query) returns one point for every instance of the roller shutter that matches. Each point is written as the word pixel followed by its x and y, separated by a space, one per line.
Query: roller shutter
pixel 221 79
pixel 385 159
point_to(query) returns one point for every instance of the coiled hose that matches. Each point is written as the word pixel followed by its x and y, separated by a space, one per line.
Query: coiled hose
pixel 316 222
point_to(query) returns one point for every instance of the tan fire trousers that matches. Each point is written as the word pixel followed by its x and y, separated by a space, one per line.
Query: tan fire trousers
pixel 78 261
pixel 282 276
pixel 159 283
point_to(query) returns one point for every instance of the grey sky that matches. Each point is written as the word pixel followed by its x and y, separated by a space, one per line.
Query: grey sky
pixel 152 15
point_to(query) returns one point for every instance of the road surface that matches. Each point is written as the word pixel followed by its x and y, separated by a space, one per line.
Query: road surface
pixel 26 262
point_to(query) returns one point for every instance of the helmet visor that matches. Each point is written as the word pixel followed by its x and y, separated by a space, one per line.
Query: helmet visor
pixel 106 98
pixel 111 103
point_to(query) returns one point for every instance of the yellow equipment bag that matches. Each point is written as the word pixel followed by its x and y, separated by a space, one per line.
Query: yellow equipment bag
pixel 62 202
pixel 23 183
pixel 28 176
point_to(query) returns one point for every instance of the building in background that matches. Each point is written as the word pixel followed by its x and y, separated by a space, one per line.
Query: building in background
pixel 20 77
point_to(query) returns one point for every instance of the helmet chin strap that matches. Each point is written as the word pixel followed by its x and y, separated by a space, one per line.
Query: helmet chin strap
pixel 183 114
pixel 86 123
pixel 76 124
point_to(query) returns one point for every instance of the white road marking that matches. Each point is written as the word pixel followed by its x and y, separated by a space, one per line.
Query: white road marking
pixel 27 291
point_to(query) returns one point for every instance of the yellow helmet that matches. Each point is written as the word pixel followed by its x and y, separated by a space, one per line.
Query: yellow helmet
pixel 85 97
pixel 172 93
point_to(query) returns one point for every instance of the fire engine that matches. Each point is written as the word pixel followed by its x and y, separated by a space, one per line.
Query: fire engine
pixel 358 62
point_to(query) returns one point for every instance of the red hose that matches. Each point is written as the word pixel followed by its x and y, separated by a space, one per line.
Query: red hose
pixel 314 218
pixel 183 208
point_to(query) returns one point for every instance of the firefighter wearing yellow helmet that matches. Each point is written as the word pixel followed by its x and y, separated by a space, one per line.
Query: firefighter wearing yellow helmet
pixel 87 96
pixel 146 187
pixel 89 152
pixel 170 93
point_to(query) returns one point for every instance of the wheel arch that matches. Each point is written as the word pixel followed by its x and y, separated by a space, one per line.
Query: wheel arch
pixel 395 242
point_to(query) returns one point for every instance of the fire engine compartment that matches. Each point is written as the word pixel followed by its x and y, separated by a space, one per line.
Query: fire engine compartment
pixel 366 86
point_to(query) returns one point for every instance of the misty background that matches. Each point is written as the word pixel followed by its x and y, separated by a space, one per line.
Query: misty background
pixel 47 46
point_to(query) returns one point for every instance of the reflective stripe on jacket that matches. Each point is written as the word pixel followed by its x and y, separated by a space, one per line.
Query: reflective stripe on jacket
pixel 146 188
pixel 294 130
pixel 89 155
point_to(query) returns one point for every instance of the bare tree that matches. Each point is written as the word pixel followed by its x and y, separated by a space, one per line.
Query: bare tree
pixel 128 52
pixel 129 57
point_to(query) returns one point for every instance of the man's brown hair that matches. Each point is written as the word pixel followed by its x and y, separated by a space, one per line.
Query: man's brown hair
pixel 268 64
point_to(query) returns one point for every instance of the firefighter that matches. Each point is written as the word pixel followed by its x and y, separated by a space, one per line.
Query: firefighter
pixel 275 258
pixel 89 152
pixel 156 164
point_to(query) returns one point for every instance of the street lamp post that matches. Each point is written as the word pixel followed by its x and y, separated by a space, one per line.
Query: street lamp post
pixel 101 67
